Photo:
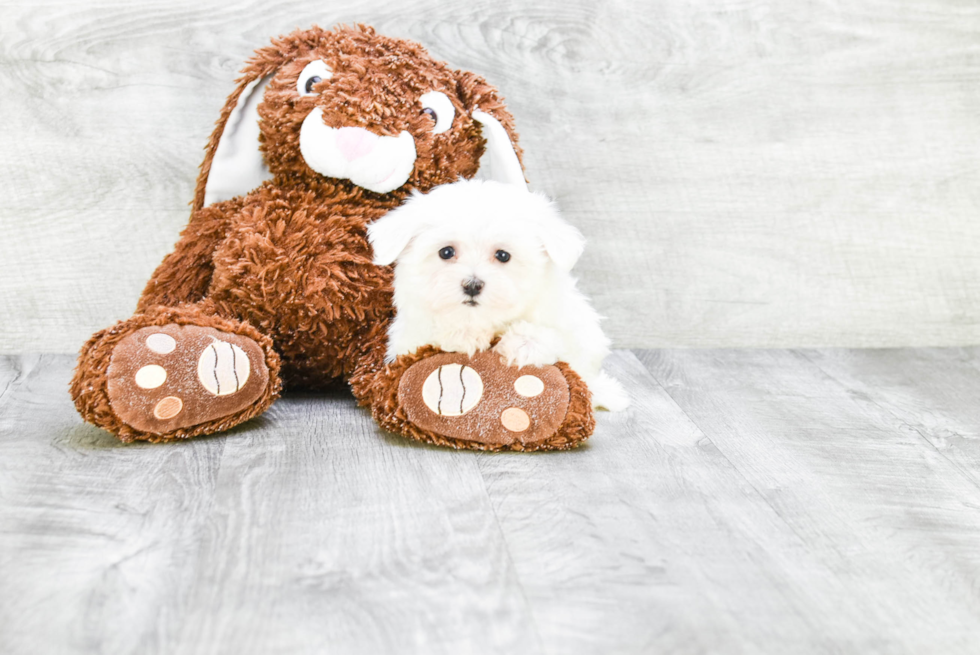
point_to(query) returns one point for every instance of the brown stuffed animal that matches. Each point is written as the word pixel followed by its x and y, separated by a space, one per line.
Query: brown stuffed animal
pixel 272 281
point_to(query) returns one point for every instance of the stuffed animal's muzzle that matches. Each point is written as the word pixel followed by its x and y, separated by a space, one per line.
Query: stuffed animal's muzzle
pixel 376 163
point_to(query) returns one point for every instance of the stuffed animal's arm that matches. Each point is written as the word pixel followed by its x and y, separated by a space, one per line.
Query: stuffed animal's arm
pixel 185 274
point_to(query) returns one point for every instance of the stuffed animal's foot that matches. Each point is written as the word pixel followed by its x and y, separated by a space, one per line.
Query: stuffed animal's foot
pixel 167 377
pixel 480 402
pixel 154 380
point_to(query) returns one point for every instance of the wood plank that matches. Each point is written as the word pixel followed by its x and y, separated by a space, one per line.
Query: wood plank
pixel 893 520
pixel 12 369
pixel 649 540
pixel 932 392
pixel 752 173
pixel 326 536
pixel 303 531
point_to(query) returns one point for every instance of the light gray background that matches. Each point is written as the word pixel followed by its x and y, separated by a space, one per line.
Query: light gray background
pixel 748 173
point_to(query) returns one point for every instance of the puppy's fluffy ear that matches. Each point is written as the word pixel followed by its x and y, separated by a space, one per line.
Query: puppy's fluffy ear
pixel 391 234
pixel 561 240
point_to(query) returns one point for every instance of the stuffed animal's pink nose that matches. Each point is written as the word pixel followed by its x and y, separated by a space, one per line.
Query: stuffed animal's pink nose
pixel 355 142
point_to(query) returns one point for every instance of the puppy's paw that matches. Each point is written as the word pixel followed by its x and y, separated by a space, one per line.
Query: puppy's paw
pixel 526 345
pixel 465 340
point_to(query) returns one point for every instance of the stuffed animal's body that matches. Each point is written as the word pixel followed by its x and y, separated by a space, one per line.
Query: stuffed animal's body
pixel 272 281
pixel 292 263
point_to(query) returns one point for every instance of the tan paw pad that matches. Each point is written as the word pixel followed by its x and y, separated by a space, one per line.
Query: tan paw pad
pixel 150 377
pixel 160 343
pixel 515 419
pixel 452 390
pixel 529 386
pixel 223 368
pixel 168 408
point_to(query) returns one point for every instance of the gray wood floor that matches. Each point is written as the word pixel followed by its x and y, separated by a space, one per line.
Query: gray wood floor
pixel 751 501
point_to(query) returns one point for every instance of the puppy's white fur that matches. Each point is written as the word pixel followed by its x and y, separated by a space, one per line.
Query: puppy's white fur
pixel 530 302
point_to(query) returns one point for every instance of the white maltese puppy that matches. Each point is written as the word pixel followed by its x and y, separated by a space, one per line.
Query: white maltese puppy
pixel 478 260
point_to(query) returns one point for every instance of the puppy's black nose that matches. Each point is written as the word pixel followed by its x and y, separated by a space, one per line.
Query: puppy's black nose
pixel 472 287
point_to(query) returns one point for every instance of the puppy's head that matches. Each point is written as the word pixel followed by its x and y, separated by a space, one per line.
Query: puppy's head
pixel 479 251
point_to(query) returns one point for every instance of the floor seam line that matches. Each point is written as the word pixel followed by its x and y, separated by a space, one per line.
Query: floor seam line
pixel 845 584
pixel 722 453
pixel 923 437
pixel 510 557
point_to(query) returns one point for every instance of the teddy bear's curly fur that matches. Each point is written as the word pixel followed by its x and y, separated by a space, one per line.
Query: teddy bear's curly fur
pixel 286 269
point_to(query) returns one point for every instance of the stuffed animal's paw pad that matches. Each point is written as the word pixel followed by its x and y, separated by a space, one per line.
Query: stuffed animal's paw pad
pixel 529 386
pixel 160 343
pixel 223 368
pixel 168 408
pixel 452 390
pixel 150 376
pixel 515 419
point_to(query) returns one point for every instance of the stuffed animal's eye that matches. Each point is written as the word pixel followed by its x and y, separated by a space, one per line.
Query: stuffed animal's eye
pixel 502 256
pixel 447 253
pixel 315 71
pixel 440 108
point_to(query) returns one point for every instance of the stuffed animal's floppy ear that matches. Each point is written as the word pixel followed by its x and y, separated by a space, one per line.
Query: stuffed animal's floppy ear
pixel 237 166
pixel 391 234
pixel 561 240
pixel 501 160
pixel 233 164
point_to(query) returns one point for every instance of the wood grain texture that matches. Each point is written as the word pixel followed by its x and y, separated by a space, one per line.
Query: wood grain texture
pixel 747 173
pixel 890 519
pixel 649 540
pixel 934 393
pixel 305 531
pixel 748 502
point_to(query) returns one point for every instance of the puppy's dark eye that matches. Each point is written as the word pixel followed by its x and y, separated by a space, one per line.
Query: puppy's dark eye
pixel 311 82
pixel 447 253
pixel 502 256
pixel 431 113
